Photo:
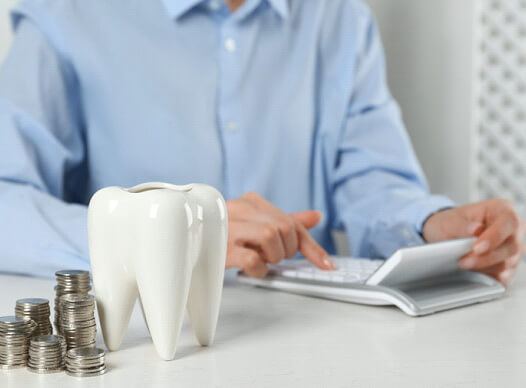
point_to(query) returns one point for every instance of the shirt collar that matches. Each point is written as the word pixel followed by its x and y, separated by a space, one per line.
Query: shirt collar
pixel 281 7
pixel 177 8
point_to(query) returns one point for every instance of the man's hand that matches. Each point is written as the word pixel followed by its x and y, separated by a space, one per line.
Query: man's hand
pixel 499 247
pixel 259 233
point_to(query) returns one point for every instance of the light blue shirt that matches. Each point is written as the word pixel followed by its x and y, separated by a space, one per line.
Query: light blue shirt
pixel 285 98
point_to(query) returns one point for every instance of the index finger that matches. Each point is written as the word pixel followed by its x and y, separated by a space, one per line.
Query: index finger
pixel 312 250
pixel 496 233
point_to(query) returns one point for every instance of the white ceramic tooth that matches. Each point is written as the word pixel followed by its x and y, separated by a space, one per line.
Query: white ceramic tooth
pixel 165 243
pixel 110 253
pixel 207 278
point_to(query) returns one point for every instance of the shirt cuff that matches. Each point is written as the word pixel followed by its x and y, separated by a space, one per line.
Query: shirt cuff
pixel 425 208
pixel 385 240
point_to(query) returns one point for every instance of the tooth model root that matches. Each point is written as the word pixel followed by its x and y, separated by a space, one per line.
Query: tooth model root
pixel 165 244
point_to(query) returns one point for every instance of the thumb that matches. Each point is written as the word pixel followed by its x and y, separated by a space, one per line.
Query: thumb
pixel 452 223
pixel 308 218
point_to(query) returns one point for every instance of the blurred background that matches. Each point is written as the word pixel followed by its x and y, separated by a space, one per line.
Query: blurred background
pixel 5 26
pixel 458 70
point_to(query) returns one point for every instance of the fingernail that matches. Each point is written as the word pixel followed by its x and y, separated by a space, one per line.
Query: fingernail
pixel 467 263
pixel 320 214
pixel 481 247
pixel 327 262
pixel 506 276
pixel 473 226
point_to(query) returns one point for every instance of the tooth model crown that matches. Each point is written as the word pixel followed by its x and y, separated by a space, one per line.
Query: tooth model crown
pixel 165 244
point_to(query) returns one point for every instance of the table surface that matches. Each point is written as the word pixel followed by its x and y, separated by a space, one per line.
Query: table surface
pixel 272 339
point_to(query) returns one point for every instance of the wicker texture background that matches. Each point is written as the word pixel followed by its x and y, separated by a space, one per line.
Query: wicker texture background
pixel 499 157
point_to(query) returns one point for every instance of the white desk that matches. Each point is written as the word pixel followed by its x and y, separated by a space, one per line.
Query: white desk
pixel 271 339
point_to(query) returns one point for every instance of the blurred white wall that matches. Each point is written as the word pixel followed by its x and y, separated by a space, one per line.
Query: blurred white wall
pixel 429 53
pixel 5 26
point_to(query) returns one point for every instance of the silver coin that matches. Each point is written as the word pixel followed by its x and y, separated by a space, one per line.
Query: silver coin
pixel 14 344
pixel 74 298
pixel 80 338
pixel 79 313
pixel 81 345
pixel 13 362
pixel 14 353
pixel 90 364
pixel 13 357
pixel 14 366
pixel 72 272
pixel 77 309
pixel 85 363
pixel 85 353
pixel 42 347
pixel 82 301
pixel 87 323
pixel 9 358
pixel 50 364
pixel 7 346
pixel 12 350
pixel 46 360
pixel 47 355
pixel 47 348
pixel 12 320
pixel 32 301
pixel 22 329
pixel 73 288
pixel 42 314
pixel 86 374
pixel 43 332
pixel 32 307
pixel 79 332
pixel 46 340
pixel 84 319
pixel 44 370
pixel 77 342
pixel 42 353
pixel 55 353
pixel 14 341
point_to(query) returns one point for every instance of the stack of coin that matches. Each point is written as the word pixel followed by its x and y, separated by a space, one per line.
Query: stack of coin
pixel 14 338
pixel 69 282
pixel 78 320
pixel 85 362
pixel 46 354
pixel 36 309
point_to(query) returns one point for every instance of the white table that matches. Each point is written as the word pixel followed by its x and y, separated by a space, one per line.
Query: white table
pixel 271 339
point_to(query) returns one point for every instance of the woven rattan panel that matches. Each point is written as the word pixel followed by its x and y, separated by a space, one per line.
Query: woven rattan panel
pixel 499 132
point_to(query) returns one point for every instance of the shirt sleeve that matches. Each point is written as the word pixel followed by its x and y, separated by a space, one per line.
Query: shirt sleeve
pixel 42 158
pixel 380 192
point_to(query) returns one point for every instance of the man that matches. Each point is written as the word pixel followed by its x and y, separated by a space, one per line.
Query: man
pixel 278 99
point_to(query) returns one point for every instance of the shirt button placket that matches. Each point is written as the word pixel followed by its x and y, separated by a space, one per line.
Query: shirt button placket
pixel 227 108
pixel 214 5
pixel 230 45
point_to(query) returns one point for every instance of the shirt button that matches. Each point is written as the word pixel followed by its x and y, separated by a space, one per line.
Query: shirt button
pixel 214 5
pixel 232 125
pixel 230 45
